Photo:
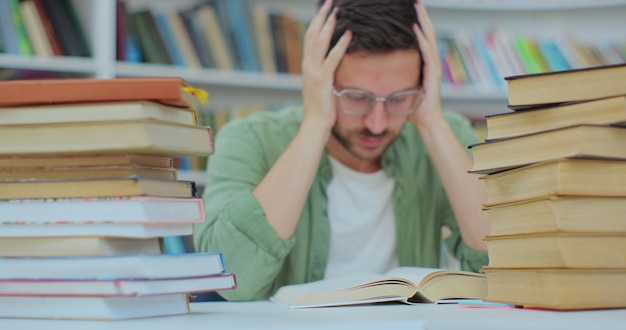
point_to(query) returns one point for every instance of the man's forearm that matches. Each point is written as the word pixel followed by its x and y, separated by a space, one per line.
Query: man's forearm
pixel 284 189
pixel 465 192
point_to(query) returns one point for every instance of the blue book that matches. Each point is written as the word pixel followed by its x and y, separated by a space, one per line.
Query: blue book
pixel 479 44
pixel 243 34
pixel 171 46
pixel 8 32
pixel 551 53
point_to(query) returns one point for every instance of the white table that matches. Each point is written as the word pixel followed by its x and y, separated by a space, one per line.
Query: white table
pixel 268 315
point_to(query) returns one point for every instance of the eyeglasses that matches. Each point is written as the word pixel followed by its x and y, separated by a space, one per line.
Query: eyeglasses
pixel 359 102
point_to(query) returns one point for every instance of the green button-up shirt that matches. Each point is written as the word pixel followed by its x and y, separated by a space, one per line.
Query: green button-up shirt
pixel 236 224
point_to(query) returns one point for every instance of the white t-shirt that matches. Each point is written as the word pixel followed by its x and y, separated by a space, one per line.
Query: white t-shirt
pixel 363 229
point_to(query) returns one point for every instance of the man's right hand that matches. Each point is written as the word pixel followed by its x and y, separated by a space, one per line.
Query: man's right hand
pixel 318 69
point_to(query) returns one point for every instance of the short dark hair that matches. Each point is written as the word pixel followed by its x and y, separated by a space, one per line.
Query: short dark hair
pixel 378 26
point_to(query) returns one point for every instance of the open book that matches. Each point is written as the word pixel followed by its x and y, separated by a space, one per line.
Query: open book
pixel 403 284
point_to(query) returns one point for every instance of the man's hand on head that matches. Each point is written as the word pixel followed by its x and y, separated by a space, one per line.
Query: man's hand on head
pixel 319 65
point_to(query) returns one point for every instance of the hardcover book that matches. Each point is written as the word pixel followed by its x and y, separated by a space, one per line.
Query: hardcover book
pixel 569 289
pixel 561 177
pixel 565 86
pixel 131 136
pixel 156 266
pixel 135 209
pixel 94 308
pixel 167 90
pixel 63 246
pixel 582 141
pixel 604 111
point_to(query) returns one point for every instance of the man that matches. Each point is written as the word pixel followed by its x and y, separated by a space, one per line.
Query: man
pixel 362 177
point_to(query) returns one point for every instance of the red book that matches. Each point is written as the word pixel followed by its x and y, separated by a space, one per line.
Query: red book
pixel 45 20
pixel 167 90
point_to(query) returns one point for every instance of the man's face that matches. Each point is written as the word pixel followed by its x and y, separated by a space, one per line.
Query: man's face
pixel 359 140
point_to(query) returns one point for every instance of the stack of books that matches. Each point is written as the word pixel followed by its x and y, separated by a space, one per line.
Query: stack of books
pixel 88 191
pixel 555 172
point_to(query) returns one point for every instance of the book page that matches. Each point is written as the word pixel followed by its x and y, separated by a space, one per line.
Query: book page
pixel 413 274
pixel 343 282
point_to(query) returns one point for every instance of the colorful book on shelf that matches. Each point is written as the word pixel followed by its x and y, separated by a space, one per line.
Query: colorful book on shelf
pixel 8 33
pixel 193 31
pixel 603 111
pixel 35 29
pixel 529 53
pixel 93 308
pixel 241 32
pixel 57 50
pixel 131 136
pixel 154 266
pixel 147 38
pixel 403 284
pixel 559 214
pixel 167 90
pixel 115 287
pixel 23 41
pixel 183 40
pixel 566 86
pixel 568 289
pixel 89 188
pixel 560 177
pixel 84 161
pixel 582 141
pixel 558 250
pixel 96 111
pixel 68 27
pixel 111 229
pixel 212 35
pixel 264 37
pixel 137 209
pixel 64 246
pixel 167 35
pixel 553 56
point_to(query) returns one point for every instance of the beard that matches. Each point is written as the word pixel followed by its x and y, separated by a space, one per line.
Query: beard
pixel 345 141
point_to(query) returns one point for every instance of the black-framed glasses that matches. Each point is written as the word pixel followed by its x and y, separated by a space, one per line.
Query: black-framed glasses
pixel 359 102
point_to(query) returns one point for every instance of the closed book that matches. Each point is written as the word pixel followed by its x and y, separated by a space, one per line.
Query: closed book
pixel 50 32
pixel 116 287
pixel 35 30
pixel 561 177
pixel 167 90
pixel 603 111
pixel 150 41
pixel 183 40
pixel 133 136
pixel 559 289
pixel 582 141
pixel 76 246
pixel 115 187
pixel 559 214
pixel 210 33
pixel 103 172
pixel 68 27
pixel 156 266
pixel 80 161
pixel 137 209
pixel 93 308
pixel 566 86
pixel 96 111
pixel 558 250
pixel 109 229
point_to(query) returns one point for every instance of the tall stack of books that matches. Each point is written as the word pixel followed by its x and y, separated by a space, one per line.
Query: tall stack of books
pixel 555 172
pixel 87 192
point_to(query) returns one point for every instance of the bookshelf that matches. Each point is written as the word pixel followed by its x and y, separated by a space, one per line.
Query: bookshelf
pixel 551 18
